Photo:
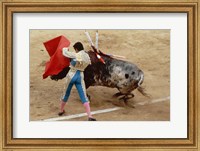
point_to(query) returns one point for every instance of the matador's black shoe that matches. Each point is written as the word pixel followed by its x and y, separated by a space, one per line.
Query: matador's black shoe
pixel 91 119
pixel 61 113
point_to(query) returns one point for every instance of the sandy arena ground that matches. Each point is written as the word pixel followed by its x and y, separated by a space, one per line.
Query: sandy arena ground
pixel 148 49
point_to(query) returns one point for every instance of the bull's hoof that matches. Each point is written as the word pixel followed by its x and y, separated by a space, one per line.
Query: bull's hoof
pixel 129 104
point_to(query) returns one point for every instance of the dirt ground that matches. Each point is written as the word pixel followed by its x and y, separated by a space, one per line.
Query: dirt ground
pixel 148 49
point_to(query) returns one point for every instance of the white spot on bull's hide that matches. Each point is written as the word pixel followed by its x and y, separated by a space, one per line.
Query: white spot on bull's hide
pixel 117 70
pixel 117 76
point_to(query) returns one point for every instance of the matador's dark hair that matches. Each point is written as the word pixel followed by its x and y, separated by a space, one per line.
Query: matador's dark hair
pixel 78 46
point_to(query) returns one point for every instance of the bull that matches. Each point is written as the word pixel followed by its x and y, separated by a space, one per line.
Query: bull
pixel 112 73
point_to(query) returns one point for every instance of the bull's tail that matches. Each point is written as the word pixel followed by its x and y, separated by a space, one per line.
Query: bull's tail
pixel 140 88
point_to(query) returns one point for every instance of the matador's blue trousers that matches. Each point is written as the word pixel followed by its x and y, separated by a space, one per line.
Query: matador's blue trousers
pixel 78 80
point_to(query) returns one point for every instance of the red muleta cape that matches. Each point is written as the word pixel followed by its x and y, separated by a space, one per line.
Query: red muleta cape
pixel 57 61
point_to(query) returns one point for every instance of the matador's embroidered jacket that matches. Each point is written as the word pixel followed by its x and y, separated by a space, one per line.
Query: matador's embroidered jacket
pixel 79 61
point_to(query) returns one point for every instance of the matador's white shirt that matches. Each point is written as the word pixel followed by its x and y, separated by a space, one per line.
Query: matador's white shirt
pixel 82 59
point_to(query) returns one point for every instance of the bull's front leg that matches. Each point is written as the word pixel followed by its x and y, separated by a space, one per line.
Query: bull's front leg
pixel 117 94
pixel 126 97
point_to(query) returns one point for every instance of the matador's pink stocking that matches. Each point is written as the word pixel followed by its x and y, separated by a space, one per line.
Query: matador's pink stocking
pixel 87 107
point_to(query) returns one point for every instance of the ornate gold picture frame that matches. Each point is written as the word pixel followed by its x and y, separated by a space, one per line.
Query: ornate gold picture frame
pixel 9 7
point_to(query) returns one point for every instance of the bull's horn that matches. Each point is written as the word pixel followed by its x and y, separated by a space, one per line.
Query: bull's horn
pixel 89 38
pixel 97 40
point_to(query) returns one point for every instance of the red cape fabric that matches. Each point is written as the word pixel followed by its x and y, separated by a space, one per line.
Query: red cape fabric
pixel 57 61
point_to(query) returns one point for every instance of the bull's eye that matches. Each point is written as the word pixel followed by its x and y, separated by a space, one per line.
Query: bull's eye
pixel 126 76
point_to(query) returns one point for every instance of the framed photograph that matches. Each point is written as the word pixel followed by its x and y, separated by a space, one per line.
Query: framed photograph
pixel 94 75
